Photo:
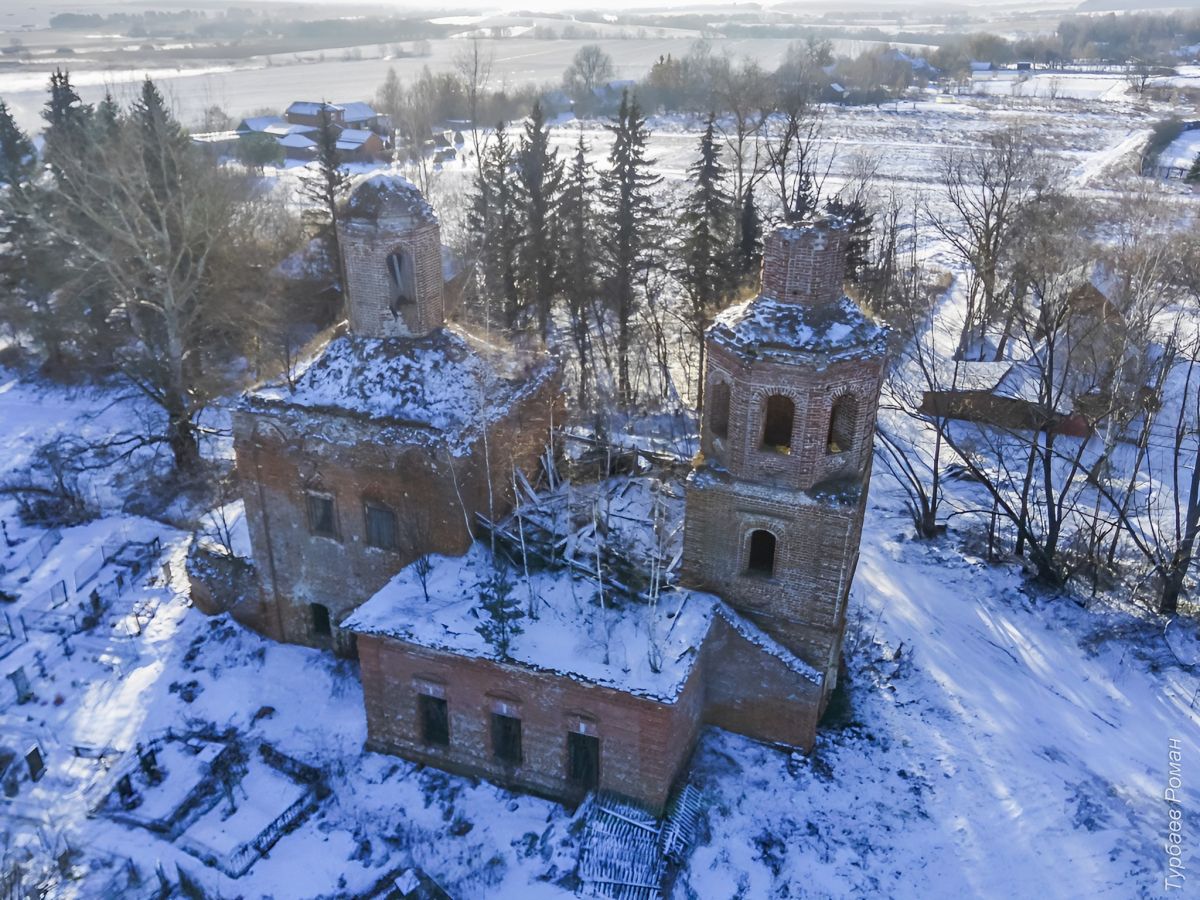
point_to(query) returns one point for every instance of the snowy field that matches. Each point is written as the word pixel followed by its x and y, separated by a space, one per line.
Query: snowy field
pixel 992 741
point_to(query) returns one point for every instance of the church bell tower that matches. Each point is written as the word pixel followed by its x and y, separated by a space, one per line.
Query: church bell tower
pixel 775 504
pixel 392 259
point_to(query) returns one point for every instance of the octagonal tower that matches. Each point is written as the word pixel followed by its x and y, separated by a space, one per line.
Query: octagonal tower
pixel 775 505
pixel 392 259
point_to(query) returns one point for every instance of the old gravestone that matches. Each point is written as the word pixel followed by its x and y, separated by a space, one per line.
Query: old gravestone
pixel 21 682
pixel 37 765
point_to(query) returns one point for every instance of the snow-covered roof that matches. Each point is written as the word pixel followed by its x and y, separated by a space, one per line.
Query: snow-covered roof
pixel 572 634
pixel 386 195
pixel 353 138
pixel 439 388
pixel 309 108
pixel 261 123
pixel 357 111
pixel 1024 381
pixel 768 328
pixel 297 142
pixel 286 128
pixel 967 375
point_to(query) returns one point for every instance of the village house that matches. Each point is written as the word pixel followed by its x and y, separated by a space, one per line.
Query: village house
pixel 354 115
pixel 370 471
pixel 362 134
pixel 1065 382
pixel 312 113
pixel 358 145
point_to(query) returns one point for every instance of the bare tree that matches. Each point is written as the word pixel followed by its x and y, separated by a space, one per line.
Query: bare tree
pixel 473 65
pixel 414 128
pixel 985 189
pixel 791 144
pixel 416 526
pixel 590 68
pixel 1158 507
pixel 1138 73
pixel 1035 457
pixel 910 432
pixel 743 92
pixel 158 222
pixel 389 98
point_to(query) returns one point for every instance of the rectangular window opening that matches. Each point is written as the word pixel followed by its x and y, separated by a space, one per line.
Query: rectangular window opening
pixel 381 527
pixel 583 760
pixel 320 515
pixel 435 720
pixel 506 739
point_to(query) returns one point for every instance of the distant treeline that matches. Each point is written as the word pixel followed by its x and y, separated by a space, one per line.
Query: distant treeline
pixel 152 17
pixel 242 24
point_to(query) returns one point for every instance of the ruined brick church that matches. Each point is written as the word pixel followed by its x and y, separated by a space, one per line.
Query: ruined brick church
pixel 367 471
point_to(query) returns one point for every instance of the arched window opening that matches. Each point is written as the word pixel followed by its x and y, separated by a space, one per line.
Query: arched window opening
pixel 718 409
pixel 761 559
pixel 779 415
pixel 399 272
pixel 841 425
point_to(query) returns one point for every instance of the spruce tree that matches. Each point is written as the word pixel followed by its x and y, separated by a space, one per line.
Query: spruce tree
pixel 538 186
pixel 804 199
pixel 630 215
pixel 749 236
pixel 108 118
pixel 705 267
pixel 56 284
pixel 165 148
pixel 495 222
pixel 68 120
pixel 499 612
pixel 578 269
pixel 17 155
pixel 323 184
pixel 17 231
pixel 861 224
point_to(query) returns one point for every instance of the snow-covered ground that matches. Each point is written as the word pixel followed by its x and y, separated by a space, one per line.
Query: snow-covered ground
pixel 999 743
pixel 1182 152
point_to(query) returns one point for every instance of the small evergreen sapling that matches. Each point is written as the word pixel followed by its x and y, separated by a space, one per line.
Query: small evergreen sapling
pixel 498 611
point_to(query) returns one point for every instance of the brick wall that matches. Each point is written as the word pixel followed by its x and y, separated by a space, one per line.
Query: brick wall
pixel 805 264
pixel 753 693
pixel 434 496
pixel 369 286
pixel 813 391
pixel 803 604
pixel 644 744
